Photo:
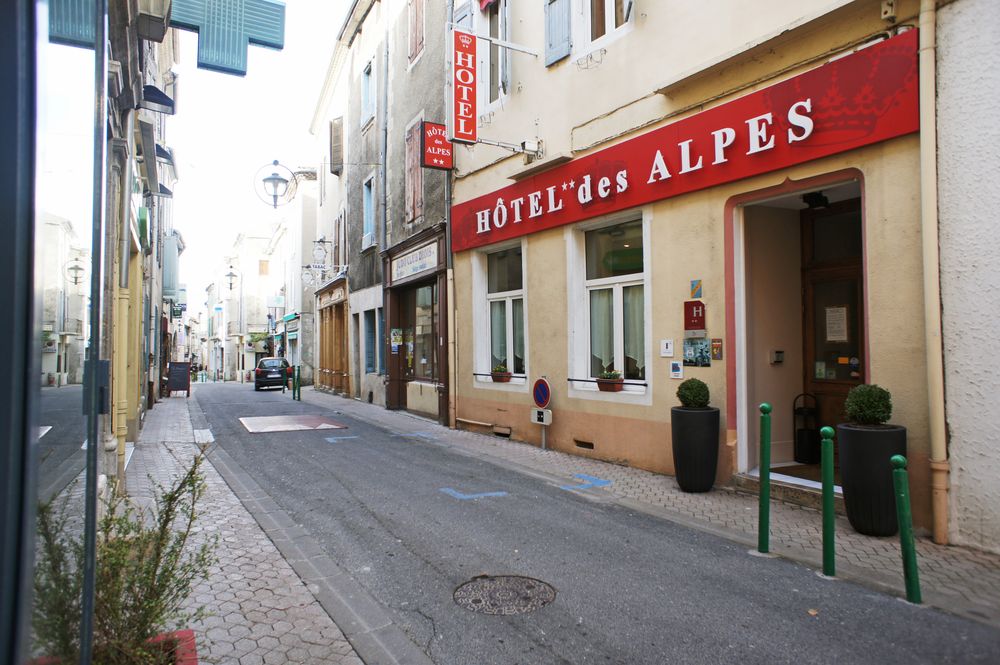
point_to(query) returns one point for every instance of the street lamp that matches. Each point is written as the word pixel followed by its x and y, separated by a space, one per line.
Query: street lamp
pixel 275 184
pixel 240 366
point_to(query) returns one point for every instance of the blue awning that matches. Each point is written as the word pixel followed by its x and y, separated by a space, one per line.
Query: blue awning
pixel 155 99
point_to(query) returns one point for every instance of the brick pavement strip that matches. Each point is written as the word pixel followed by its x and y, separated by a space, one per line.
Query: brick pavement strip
pixel 260 611
pixel 960 580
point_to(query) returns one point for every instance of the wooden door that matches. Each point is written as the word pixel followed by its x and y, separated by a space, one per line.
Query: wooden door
pixel 833 325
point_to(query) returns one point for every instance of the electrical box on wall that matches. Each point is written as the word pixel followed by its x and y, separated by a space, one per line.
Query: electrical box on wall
pixel 776 357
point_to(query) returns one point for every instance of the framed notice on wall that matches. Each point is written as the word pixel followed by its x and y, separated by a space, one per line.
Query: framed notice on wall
pixel 836 324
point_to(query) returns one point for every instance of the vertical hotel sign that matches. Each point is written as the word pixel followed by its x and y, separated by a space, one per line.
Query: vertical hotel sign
pixel 463 119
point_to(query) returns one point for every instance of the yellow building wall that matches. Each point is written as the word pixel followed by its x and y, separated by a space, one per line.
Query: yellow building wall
pixel 687 240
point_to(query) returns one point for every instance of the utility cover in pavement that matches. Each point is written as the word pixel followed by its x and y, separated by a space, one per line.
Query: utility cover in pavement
pixel 504 594
pixel 262 424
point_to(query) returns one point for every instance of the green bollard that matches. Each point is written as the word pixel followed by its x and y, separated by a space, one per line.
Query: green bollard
pixel 829 519
pixel 909 551
pixel 764 513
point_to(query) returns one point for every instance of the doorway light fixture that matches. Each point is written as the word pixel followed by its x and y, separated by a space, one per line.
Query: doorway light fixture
pixel 816 201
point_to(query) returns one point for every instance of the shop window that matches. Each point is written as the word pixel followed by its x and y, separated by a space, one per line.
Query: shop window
pixel 424 336
pixel 609 334
pixel 370 342
pixel 505 296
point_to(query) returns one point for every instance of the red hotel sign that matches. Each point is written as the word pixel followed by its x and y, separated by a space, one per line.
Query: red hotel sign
pixel 463 88
pixel 863 98
pixel 435 148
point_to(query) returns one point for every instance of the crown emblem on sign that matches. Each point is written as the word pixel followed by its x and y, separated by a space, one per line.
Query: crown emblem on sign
pixel 850 102
pixel 465 39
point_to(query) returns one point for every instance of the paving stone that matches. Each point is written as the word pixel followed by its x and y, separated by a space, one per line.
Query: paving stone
pixel 249 569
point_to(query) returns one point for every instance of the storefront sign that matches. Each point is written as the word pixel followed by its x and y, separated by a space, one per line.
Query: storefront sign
pixel 435 148
pixel 292 326
pixel 463 89
pixel 396 339
pixel 414 262
pixel 861 99
pixel 331 297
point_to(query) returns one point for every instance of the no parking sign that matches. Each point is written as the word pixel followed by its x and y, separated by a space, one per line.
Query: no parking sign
pixel 541 391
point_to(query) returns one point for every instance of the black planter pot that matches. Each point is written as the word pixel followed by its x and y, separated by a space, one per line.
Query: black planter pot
pixel 695 434
pixel 866 476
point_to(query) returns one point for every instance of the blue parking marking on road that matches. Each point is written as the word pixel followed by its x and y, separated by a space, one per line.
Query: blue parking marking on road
pixel 589 481
pixel 465 497
pixel 335 439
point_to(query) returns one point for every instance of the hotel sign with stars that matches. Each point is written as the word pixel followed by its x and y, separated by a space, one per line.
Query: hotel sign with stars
pixel 435 148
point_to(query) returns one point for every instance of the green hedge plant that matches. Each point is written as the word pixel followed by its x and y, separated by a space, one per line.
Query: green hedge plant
pixel 693 394
pixel 145 572
pixel 869 405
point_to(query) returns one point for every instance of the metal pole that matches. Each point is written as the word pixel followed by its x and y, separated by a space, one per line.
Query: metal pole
pixel 94 401
pixel 764 512
pixel 901 483
pixel 829 519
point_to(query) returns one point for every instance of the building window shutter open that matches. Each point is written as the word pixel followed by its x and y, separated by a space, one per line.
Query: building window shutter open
pixel 557 30
pixel 414 189
pixel 337 146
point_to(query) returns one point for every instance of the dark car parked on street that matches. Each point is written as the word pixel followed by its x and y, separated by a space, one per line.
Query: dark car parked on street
pixel 271 372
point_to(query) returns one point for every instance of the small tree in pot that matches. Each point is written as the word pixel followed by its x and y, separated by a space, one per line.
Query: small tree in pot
pixel 694 428
pixel 867 444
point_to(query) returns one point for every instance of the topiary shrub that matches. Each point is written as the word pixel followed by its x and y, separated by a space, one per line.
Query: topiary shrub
pixel 693 394
pixel 869 405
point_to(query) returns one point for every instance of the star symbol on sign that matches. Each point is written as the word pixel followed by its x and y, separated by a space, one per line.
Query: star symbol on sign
pixel 572 184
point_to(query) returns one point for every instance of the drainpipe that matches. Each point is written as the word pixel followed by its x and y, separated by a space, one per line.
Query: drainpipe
pixel 452 327
pixel 385 140
pixel 932 280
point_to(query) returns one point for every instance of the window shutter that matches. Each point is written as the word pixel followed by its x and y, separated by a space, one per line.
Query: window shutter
pixel 557 30
pixel 370 341
pixel 381 341
pixel 414 185
pixel 337 146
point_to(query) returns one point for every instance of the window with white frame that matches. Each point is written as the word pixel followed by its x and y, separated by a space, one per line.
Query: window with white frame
pixel 368 210
pixel 606 16
pixel 505 299
pixel 615 279
pixel 368 92
pixel 493 61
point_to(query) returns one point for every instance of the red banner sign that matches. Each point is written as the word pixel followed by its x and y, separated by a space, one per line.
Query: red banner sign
pixel 864 98
pixel 435 148
pixel 463 89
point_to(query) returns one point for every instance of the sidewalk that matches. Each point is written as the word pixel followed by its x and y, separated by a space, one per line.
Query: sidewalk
pixel 259 610
pixel 959 580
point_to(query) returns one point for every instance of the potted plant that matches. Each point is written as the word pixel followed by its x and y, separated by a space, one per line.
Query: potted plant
pixel 500 373
pixel 694 428
pixel 866 445
pixel 610 381
pixel 145 573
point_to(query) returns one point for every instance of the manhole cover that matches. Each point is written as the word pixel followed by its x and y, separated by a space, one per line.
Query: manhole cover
pixel 504 594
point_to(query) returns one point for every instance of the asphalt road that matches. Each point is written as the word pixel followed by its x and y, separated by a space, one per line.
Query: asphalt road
pixel 60 454
pixel 631 588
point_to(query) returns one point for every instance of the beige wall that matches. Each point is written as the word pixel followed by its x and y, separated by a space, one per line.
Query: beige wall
pixel 687 241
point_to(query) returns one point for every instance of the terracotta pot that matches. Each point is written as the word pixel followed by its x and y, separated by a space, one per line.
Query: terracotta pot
pixel 180 643
pixel 501 377
pixel 610 385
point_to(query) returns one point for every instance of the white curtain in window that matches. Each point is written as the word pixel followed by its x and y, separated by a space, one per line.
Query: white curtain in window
pixel 498 332
pixel 602 341
pixel 518 319
pixel 635 342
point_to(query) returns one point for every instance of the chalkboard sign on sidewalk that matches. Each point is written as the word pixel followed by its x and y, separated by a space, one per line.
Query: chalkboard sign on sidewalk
pixel 179 377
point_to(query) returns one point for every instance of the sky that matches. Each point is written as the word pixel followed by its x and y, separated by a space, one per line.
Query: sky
pixel 224 130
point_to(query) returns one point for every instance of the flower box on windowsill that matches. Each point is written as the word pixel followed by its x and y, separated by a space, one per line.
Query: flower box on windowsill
pixel 610 385
pixel 501 377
